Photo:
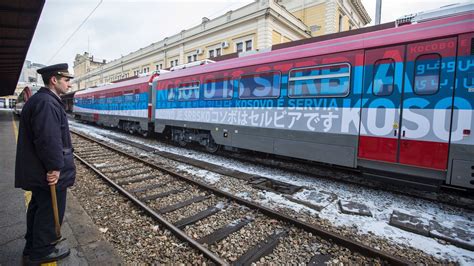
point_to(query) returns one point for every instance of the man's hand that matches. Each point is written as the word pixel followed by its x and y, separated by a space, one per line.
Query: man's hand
pixel 52 177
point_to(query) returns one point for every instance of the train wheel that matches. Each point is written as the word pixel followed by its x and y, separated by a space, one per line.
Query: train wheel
pixel 211 146
pixel 144 133
pixel 182 143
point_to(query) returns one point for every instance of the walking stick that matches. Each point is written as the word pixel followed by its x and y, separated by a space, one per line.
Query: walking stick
pixel 54 201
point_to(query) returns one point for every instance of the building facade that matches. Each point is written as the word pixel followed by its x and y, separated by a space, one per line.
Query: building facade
pixel 29 74
pixel 254 27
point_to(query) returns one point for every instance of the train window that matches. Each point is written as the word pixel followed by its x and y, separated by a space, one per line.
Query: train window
pixel 188 91
pixel 102 99
pixel 128 96
pixel 320 81
pixel 117 97
pixel 171 92
pixel 384 77
pixel 110 97
pixel 427 72
pixel 261 85
pixel 218 89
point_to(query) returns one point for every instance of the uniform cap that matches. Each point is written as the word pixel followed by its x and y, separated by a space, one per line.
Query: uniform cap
pixel 58 69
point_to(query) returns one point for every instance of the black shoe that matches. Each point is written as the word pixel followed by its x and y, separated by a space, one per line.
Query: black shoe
pixel 57 254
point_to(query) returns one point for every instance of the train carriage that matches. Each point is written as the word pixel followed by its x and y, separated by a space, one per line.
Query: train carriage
pixel 394 102
pixel 125 105
pixel 24 96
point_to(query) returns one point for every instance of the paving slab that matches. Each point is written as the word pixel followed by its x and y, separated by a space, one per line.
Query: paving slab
pixel 458 235
pixel 411 223
pixel 319 260
pixel 317 200
pixel 454 235
pixel 354 208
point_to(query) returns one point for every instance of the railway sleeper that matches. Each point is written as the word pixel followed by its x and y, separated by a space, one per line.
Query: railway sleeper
pixel 130 175
pixel 319 259
pixel 274 185
pixel 127 181
pixel 162 194
pixel 261 249
pixel 198 216
pixel 123 168
pixel 182 204
pixel 94 156
pixel 149 187
pixel 90 153
pixel 225 231
pixel 132 143
pixel 103 158
pixel 102 167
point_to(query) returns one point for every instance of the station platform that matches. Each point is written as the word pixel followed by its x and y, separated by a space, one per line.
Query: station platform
pixel 82 236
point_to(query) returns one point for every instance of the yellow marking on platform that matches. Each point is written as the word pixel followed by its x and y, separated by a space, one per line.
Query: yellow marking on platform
pixel 49 264
pixel 15 131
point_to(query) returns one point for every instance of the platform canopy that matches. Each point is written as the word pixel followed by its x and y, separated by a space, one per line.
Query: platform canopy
pixel 18 20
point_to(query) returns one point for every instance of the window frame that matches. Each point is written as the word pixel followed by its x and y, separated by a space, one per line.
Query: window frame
pixel 439 74
pixel 173 88
pixel 373 77
pixel 237 47
pixel 251 45
pixel 219 99
pixel 321 96
pixel 182 88
pixel 257 73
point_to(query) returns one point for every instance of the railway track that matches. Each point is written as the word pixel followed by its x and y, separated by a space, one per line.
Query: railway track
pixel 184 206
pixel 447 196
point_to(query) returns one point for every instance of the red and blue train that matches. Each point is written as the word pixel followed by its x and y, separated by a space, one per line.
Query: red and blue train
pixel 395 102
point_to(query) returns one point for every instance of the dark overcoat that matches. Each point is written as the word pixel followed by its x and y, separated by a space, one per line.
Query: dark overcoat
pixel 44 143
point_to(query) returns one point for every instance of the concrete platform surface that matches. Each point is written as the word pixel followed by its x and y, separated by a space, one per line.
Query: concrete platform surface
pixel 82 236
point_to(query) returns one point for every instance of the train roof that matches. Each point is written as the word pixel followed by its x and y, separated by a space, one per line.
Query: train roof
pixel 126 83
pixel 371 37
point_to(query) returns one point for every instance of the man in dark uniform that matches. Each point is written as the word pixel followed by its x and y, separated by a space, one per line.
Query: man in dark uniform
pixel 43 158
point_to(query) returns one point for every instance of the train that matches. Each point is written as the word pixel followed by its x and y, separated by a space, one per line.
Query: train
pixel 25 94
pixel 394 101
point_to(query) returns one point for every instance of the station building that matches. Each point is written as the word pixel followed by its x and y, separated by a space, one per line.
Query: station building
pixel 254 27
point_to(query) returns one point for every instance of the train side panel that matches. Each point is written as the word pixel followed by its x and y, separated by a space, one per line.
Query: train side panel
pixel 293 108
pixel 120 105
pixel 461 152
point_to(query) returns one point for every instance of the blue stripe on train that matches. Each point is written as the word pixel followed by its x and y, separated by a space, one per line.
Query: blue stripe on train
pixel 463 97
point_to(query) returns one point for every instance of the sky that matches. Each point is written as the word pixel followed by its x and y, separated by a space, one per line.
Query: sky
pixel 119 27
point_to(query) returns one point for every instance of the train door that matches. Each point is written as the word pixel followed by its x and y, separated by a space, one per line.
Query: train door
pixel 427 103
pixel 382 94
